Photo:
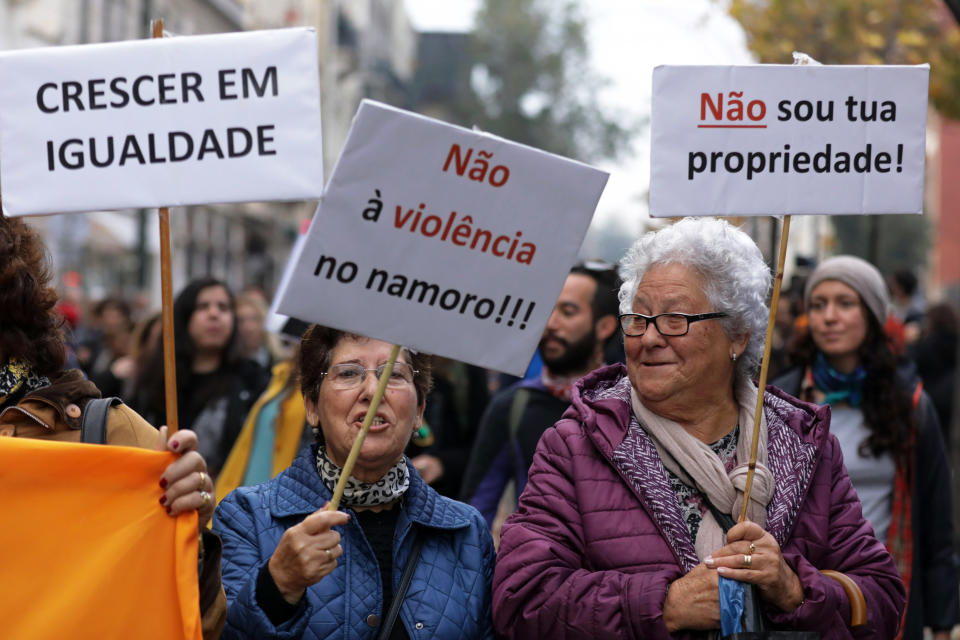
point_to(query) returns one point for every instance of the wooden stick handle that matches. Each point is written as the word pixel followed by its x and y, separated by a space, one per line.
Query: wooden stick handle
pixel 169 346
pixel 765 366
pixel 166 296
pixel 364 428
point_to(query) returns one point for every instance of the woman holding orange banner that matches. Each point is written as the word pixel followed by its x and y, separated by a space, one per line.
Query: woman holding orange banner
pixel 39 399
pixel 398 560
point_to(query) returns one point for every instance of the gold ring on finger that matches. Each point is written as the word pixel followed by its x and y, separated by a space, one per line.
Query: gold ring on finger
pixel 205 498
pixel 747 561
pixel 329 554
pixel 752 548
pixel 203 480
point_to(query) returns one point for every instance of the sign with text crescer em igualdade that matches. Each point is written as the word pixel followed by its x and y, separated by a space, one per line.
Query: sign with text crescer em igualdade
pixel 161 122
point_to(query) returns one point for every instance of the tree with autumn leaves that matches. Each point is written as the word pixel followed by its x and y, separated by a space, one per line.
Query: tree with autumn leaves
pixel 860 32
pixel 865 32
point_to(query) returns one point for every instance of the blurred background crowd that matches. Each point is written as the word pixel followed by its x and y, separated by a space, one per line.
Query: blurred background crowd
pixel 534 71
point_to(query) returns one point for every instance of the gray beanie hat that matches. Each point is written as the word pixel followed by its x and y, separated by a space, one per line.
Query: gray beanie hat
pixel 858 274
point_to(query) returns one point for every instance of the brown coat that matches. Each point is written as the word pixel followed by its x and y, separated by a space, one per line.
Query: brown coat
pixel 55 412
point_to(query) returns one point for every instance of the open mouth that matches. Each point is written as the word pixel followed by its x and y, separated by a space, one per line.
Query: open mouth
pixel 378 422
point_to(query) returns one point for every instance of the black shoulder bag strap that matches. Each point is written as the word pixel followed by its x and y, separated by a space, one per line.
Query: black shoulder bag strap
pixel 405 581
pixel 93 428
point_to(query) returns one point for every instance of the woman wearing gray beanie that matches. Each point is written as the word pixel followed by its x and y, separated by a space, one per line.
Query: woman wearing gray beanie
pixel 889 433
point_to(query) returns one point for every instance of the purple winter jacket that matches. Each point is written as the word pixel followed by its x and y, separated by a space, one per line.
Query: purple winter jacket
pixel 598 536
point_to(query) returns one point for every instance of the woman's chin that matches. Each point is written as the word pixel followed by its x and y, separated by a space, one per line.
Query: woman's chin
pixel 653 393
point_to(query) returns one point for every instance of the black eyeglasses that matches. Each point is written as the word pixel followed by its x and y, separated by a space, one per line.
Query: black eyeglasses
pixel 668 324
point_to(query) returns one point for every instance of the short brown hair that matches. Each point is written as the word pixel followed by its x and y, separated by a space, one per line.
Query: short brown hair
pixel 30 327
pixel 313 360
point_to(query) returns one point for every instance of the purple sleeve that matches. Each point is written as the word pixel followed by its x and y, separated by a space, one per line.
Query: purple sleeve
pixel 851 548
pixel 541 587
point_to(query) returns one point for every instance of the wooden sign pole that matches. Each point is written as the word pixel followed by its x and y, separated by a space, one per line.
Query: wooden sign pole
pixel 765 367
pixel 166 293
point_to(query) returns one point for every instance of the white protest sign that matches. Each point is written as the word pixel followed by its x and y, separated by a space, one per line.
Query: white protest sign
pixel 442 239
pixel 779 139
pixel 161 122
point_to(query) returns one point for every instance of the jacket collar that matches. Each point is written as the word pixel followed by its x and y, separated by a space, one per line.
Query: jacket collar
pixel 596 394
pixel 797 432
pixel 299 492
pixel 47 405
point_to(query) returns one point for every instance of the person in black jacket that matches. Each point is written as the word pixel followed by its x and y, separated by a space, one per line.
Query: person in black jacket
pixel 574 342
pixel 888 431
pixel 936 356
pixel 215 386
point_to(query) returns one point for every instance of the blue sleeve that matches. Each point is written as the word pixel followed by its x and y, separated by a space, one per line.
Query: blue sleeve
pixel 490 558
pixel 486 498
pixel 489 468
pixel 242 561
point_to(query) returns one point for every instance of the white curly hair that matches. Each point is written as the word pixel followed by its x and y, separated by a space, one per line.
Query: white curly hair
pixel 736 278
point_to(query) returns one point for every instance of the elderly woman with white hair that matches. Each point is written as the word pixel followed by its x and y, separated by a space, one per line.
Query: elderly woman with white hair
pixel 624 526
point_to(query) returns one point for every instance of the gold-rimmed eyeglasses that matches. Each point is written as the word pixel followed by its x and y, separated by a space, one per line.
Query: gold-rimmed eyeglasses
pixel 350 375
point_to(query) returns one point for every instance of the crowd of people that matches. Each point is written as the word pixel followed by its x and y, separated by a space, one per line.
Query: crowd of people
pixel 597 497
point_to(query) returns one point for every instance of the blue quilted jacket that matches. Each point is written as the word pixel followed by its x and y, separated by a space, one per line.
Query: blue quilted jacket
pixel 449 596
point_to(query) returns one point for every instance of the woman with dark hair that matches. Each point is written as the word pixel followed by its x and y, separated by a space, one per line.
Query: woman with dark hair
pixel 39 398
pixel 397 560
pixel 888 431
pixel 215 386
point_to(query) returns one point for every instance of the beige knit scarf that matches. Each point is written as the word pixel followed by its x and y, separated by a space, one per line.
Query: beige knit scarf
pixel 690 459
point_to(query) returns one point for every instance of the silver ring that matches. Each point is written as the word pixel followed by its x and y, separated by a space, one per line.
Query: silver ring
pixel 747 561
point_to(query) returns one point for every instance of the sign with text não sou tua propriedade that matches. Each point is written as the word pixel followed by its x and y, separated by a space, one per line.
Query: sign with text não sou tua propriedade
pixel 780 139
pixel 442 239
pixel 161 122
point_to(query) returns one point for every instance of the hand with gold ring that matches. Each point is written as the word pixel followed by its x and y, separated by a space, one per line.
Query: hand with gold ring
pixel 753 555
pixel 307 553
pixel 185 482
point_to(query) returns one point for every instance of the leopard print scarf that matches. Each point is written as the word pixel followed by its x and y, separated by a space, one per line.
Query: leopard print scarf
pixel 17 380
pixel 390 487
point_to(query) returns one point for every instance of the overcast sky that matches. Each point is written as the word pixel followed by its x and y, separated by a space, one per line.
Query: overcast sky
pixel 628 38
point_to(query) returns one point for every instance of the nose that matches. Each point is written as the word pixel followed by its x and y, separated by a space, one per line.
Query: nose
pixel 553 322
pixel 652 336
pixel 829 312
pixel 368 385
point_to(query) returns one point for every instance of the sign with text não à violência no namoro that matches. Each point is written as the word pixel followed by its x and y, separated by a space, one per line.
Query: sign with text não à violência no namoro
pixel 788 139
pixel 161 122
pixel 442 239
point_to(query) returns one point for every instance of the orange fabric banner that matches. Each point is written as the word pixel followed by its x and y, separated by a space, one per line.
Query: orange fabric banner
pixel 86 550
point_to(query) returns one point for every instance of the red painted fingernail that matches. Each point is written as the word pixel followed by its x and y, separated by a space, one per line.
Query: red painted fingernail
pixel 168 510
pixel 163 498
pixel 163 483
pixel 175 445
